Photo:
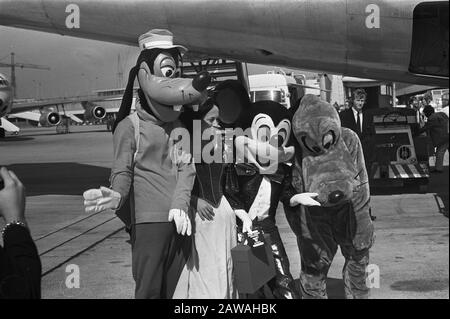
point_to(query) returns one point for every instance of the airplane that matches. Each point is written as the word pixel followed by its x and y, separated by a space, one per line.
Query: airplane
pixel 49 117
pixel 402 41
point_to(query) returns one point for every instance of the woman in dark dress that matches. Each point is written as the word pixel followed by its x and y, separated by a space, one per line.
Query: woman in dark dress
pixel 209 271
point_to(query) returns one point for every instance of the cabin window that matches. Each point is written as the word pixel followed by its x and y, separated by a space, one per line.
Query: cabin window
pixel 429 50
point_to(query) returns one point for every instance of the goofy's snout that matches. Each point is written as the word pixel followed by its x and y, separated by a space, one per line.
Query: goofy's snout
pixel 201 81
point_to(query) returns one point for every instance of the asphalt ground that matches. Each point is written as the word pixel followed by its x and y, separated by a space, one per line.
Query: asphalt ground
pixel 411 250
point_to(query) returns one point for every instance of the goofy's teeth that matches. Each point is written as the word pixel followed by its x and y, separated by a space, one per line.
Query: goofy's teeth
pixel 177 108
pixel 195 107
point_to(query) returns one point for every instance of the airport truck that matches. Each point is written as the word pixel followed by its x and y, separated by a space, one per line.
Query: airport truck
pixel 286 89
pixel 396 155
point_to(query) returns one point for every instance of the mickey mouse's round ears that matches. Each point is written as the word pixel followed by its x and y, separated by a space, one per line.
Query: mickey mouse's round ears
pixel 231 98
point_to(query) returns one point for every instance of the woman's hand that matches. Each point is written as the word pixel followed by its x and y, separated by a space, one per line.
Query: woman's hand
pixel 12 197
pixel 305 199
pixel 204 210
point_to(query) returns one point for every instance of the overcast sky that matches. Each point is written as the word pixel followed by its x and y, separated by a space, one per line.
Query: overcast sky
pixel 78 66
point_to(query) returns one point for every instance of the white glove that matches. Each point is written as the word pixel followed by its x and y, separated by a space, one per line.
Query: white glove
pixel 179 156
pixel 305 199
pixel 97 200
pixel 181 220
pixel 246 220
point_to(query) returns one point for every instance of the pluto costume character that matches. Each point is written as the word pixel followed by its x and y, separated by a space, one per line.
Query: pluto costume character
pixel 330 163
pixel 145 169
pixel 264 179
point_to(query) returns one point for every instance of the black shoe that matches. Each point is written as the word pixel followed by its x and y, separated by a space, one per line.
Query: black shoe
pixel 435 171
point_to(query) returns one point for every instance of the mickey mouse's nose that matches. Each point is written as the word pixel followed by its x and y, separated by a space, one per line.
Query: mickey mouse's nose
pixel 201 81
pixel 335 197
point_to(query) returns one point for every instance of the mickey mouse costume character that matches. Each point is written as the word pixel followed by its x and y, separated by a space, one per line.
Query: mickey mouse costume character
pixel 330 165
pixel 145 169
pixel 264 179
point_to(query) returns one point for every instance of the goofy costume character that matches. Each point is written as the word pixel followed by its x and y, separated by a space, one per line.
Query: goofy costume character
pixel 329 168
pixel 145 169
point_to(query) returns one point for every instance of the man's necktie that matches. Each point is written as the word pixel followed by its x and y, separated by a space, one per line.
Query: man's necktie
pixel 358 123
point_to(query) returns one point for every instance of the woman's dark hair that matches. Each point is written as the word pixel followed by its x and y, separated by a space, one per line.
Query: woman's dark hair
pixel 189 115
pixel 236 107
pixel 428 110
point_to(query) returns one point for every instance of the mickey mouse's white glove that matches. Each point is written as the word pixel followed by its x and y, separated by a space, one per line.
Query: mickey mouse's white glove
pixel 305 199
pixel 247 223
pixel 100 199
pixel 181 220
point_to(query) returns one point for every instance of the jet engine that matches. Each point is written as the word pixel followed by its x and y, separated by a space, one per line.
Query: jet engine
pixel 94 113
pixel 49 119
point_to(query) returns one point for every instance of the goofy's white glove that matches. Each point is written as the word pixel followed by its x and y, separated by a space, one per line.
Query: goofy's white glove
pixel 100 199
pixel 305 199
pixel 181 220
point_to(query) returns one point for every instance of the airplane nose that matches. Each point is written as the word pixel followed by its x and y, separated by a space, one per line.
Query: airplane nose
pixel 335 197
pixel 201 81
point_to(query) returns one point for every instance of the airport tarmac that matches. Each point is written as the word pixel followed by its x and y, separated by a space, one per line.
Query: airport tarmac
pixel 412 232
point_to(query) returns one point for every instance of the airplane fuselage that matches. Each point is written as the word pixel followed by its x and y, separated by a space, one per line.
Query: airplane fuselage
pixel 368 39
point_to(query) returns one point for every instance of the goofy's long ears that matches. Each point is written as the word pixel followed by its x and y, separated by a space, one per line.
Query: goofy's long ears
pixel 127 99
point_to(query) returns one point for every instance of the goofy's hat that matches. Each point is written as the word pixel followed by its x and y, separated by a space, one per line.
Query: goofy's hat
pixel 159 39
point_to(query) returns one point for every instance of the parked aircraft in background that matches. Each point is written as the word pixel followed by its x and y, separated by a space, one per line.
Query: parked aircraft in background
pixel 48 112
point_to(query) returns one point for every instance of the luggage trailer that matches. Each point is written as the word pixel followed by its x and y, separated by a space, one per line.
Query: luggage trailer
pixel 398 158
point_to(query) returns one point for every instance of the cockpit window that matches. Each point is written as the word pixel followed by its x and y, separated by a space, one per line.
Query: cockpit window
pixel 429 50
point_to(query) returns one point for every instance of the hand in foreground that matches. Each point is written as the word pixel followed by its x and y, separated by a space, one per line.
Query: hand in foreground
pixel 12 197
pixel 100 199
pixel 181 220
pixel 204 210
pixel 305 199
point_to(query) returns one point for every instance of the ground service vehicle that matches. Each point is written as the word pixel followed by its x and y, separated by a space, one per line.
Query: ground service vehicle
pixel 395 155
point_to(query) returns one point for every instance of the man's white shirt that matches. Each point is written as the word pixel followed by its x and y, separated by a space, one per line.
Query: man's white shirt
pixel 355 114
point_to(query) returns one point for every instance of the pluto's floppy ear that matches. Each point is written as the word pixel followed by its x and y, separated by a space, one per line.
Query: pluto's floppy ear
pixel 233 100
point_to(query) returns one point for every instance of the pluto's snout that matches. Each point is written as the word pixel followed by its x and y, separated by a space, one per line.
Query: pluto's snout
pixel 335 197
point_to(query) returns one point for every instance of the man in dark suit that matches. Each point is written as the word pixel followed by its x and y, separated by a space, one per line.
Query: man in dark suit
pixel 355 118
pixel 360 122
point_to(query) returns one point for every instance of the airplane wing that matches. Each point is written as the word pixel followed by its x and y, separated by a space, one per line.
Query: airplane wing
pixel 19 107
pixel 402 41
pixel 28 110
pixel 8 126
pixel 27 115
pixel 72 115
